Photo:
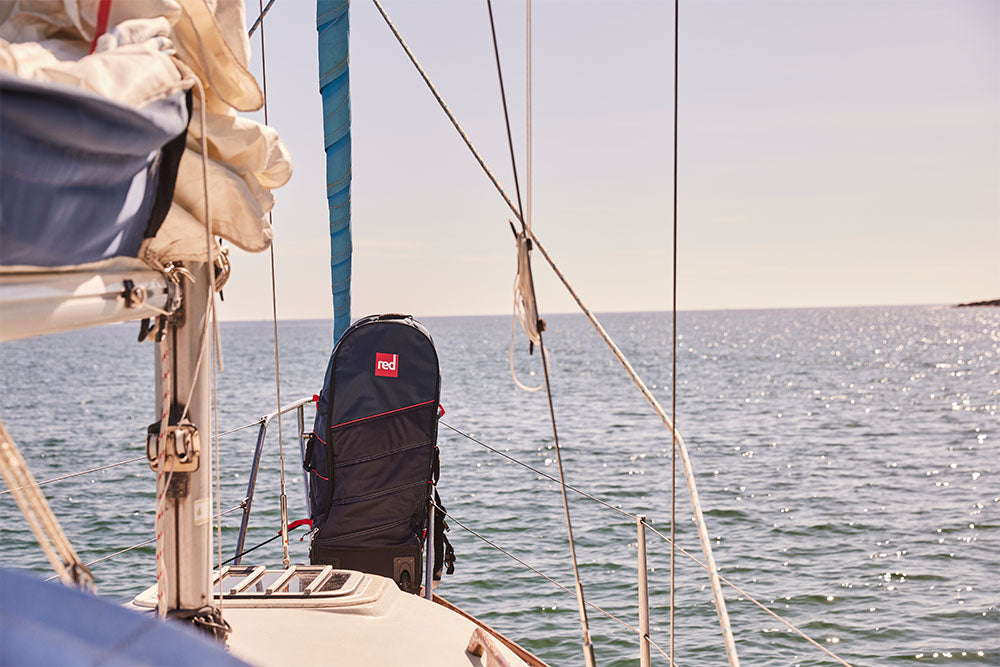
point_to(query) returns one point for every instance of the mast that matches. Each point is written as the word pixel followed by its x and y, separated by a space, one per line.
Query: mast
pixel 187 525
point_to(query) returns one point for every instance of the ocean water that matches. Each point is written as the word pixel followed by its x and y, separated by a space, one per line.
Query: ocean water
pixel 848 461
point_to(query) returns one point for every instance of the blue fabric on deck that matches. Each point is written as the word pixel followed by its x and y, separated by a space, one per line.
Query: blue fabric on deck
pixel 334 83
pixel 78 172
pixel 47 623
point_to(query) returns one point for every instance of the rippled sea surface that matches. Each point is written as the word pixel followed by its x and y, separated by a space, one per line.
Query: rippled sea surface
pixel 848 461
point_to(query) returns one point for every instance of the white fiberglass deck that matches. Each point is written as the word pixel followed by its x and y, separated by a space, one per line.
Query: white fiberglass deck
pixel 361 619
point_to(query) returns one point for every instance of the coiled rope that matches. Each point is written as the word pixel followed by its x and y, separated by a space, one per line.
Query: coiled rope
pixel 525 309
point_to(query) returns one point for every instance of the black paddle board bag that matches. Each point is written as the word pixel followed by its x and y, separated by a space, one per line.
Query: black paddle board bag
pixel 373 450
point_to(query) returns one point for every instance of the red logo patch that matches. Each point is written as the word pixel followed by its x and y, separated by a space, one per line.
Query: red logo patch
pixel 386 365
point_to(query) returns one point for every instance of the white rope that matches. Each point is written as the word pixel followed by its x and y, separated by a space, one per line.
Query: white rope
pixel 541 574
pixel 706 545
pixel 161 483
pixel 665 538
pixel 720 602
pixel 525 309
pixel 38 513
pixel 216 338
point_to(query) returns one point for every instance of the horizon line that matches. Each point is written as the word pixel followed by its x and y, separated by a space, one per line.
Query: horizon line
pixel 622 312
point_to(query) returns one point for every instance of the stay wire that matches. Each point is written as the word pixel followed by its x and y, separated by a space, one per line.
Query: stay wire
pixel 588 647
pixel 253 548
pixel 648 525
pixel 447 111
pixel 528 66
pixel 75 474
pixel 673 356
pixel 285 560
pixel 538 472
pixel 241 428
pixel 506 116
pixel 541 574
pixel 142 544
pixel 756 602
pixel 260 18
pixel 688 471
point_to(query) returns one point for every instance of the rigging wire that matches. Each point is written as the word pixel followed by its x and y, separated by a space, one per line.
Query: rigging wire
pixel 285 560
pixel 76 474
pixel 527 121
pixel 541 574
pixel 209 618
pixel 506 116
pixel 529 298
pixel 720 603
pixel 706 545
pixel 673 355
pixel 260 19
pixel 648 525
pixel 241 428
pixel 676 437
pixel 756 602
pixel 447 111
pixel 141 544
pixel 253 548
pixel 537 471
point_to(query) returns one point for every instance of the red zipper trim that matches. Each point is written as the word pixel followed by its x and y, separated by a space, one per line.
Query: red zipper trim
pixel 359 419
pixel 103 11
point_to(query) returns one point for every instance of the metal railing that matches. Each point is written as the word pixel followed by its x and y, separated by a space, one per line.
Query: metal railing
pixel 265 421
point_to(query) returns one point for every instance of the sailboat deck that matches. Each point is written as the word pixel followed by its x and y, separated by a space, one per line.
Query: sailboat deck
pixel 369 622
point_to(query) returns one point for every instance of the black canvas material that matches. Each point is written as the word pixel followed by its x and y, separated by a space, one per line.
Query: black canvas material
pixel 373 453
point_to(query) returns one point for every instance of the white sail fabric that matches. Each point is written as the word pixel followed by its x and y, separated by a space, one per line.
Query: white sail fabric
pixel 152 49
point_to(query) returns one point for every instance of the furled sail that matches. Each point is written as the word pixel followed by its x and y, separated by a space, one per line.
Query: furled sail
pixel 334 84
pixel 102 172
pixel 141 61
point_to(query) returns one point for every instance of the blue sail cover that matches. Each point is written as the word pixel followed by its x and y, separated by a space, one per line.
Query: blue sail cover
pixel 334 85
pixel 83 178
pixel 46 623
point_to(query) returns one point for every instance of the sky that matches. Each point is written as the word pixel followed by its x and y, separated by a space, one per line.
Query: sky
pixel 831 153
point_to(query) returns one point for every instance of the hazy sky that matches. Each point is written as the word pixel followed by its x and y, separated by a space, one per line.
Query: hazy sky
pixel 831 153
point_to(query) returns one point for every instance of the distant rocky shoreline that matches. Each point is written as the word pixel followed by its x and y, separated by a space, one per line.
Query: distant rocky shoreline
pixel 972 304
